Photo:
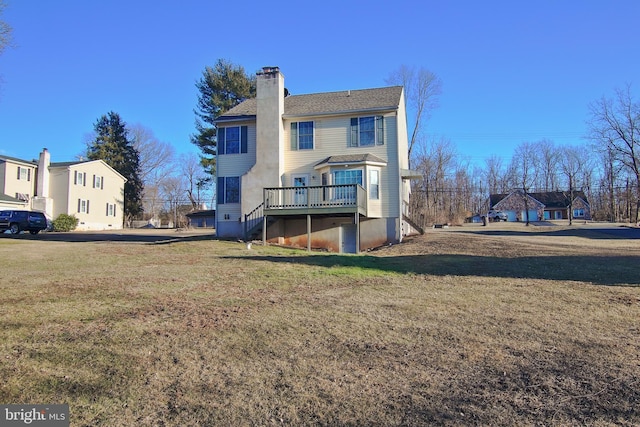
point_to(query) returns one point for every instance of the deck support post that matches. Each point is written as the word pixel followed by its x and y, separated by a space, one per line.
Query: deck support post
pixel 264 230
pixel 357 221
pixel 308 232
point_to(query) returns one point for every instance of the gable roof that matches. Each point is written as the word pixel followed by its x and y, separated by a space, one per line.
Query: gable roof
pixel 550 199
pixel 351 158
pixel 377 99
pixel 86 162
pixel 16 160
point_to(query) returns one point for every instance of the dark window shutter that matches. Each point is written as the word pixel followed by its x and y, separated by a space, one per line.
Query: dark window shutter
pixel 94 181
pixel 79 201
pixel 18 173
pixel 28 174
pixel 84 179
pixel 379 130
pixel 87 206
pixel 221 140
pixel 220 190
pixel 107 209
pixel 75 178
pixel 354 132
pixel 101 182
pixel 294 136
pixel 243 139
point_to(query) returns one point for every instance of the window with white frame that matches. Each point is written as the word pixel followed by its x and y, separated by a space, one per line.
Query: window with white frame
pixel 347 176
pixel 111 209
pixel 98 181
pixel 374 184
pixel 79 178
pixel 24 174
pixel 302 136
pixel 83 206
pixel 232 140
pixel 367 131
pixel 578 213
pixel 228 189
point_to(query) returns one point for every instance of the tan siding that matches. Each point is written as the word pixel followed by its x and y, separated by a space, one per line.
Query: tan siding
pixel 236 165
pixel 66 194
pixel 331 138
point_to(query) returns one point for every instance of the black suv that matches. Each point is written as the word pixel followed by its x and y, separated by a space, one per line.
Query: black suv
pixel 17 221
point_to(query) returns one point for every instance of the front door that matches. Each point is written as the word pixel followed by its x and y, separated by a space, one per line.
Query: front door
pixel 300 194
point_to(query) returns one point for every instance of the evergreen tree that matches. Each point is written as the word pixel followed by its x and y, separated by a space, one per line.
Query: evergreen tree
pixel 221 88
pixel 112 144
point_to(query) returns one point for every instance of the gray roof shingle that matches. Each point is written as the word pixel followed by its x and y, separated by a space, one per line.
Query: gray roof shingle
pixel 351 158
pixel 327 103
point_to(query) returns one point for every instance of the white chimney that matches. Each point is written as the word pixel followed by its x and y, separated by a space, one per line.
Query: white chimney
pixel 269 125
pixel 42 188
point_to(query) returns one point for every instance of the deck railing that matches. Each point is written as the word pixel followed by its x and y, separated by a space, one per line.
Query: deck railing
pixel 327 197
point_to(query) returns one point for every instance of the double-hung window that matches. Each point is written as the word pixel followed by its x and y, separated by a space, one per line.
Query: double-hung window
pixel 228 189
pixel 302 135
pixel 111 209
pixel 374 184
pixel 83 206
pixel 79 178
pixel 24 174
pixel 232 140
pixel 367 131
pixel 98 181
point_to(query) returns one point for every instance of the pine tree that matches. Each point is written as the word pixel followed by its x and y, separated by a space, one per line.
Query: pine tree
pixel 221 88
pixel 112 144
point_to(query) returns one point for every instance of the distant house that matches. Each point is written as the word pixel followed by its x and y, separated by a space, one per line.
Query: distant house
pixel 202 219
pixel 325 170
pixel 551 205
pixel 91 190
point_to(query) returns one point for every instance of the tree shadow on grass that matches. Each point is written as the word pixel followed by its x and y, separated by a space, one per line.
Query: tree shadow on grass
pixel 599 270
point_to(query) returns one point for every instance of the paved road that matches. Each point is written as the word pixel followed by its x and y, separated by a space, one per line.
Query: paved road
pixel 127 235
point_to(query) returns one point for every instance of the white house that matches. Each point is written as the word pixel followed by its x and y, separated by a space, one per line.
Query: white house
pixel 91 190
pixel 325 170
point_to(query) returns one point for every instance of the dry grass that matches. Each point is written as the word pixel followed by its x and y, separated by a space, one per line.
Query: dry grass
pixel 457 327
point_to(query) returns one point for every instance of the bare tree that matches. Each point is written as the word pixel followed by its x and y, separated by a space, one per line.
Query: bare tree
pixel 572 163
pixel 615 124
pixel 173 189
pixel 422 89
pixel 5 30
pixel 156 157
pixel 546 162
pixel 197 180
pixel 524 166
pixel 492 173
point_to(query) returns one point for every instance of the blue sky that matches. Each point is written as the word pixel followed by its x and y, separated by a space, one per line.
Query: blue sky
pixel 512 71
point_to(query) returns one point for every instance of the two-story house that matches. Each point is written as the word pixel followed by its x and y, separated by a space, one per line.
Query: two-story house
pixel 325 170
pixel 91 190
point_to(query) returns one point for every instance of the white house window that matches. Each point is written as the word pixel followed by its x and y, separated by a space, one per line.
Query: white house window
pixel 232 140
pixel 367 131
pixel 83 206
pixel 302 136
pixel 111 209
pixel 374 184
pixel 347 176
pixel 79 178
pixel 98 181
pixel 24 174
pixel 228 189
